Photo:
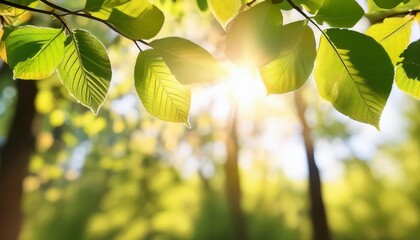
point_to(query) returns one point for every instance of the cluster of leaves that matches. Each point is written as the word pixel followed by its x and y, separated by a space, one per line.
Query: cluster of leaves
pixel 82 63
pixel 353 71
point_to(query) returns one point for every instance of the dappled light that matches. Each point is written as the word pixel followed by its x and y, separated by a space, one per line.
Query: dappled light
pixel 209 120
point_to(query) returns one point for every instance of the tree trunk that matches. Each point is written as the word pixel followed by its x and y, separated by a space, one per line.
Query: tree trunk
pixel 233 185
pixel 318 215
pixel 14 159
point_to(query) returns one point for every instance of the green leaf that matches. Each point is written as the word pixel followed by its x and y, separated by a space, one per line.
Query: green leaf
pixel 290 70
pixel 86 69
pixel 35 52
pixel 135 19
pixel 253 37
pixel 225 10
pixel 393 34
pixel 388 4
pixel 161 94
pixel 343 13
pixel 311 5
pixel 407 76
pixel 355 75
pixel 189 62
pixel 202 5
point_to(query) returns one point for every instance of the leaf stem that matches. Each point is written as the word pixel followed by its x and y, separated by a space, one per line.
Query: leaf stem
pixel 138 46
pixel 319 28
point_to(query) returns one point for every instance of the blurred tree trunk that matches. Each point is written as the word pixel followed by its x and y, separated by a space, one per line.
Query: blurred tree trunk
pixel 318 215
pixel 14 159
pixel 233 185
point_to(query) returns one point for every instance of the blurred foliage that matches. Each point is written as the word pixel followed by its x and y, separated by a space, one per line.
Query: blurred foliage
pixel 125 175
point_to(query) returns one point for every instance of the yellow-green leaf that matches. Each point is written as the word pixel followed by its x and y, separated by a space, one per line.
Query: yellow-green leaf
pixel 159 91
pixel 355 74
pixel 35 52
pixel 387 3
pixel 407 76
pixel 290 70
pixel 225 10
pixel 86 69
pixel 393 34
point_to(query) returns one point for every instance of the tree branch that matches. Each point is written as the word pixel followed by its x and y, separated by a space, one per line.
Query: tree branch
pixel 65 13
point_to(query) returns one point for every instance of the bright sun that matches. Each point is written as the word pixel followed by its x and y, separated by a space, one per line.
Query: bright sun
pixel 245 84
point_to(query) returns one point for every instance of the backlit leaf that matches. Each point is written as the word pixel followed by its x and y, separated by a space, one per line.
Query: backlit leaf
pixel 159 91
pixel 377 14
pixel 342 13
pixel 407 76
pixel 86 69
pixel 393 34
pixel 202 5
pixel 225 10
pixel 290 70
pixel 135 19
pixel 189 62
pixel 311 5
pixel 253 37
pixel 355 75
pixel 35 52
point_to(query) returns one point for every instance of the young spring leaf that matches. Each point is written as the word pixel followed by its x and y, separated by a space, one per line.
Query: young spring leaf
pixel 393 34
pixel 35 52
pixel 253 37
pixel 189 62
pixel 225 10
pixel 342 13
pixel 407 76
pixel 388 4
pixel 86 69
pixel 161 94
pixel 355 74
pixel 290 70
